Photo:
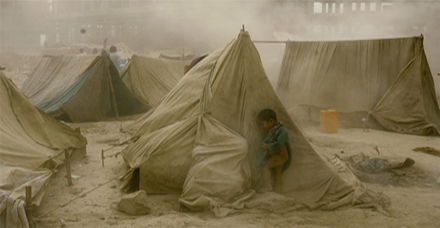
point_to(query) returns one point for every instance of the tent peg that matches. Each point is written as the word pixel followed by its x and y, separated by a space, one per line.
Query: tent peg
pixel 67 162
pixel 29 206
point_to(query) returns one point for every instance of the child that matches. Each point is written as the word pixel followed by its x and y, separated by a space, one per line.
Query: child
pixel 117 60
pixel 274 153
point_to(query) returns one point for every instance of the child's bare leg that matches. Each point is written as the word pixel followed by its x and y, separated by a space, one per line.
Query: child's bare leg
pixel 278 158
pixel 267 179
pixel 276 162
pixel 278 181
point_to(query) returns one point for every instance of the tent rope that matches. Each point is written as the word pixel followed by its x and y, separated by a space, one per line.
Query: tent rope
pixel 80 196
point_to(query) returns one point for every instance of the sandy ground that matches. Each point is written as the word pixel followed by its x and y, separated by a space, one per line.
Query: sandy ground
pixel 91 201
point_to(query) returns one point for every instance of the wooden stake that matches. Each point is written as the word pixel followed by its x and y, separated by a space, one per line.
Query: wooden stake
pixel 28 207
pixel 67 162
pixel 102 157
pixel 365 123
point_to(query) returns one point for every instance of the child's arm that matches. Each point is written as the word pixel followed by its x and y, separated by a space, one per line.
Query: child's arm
pixel 279 142
pixel 264 145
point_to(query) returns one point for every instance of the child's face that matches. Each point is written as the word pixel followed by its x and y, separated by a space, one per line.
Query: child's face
pixel 267 124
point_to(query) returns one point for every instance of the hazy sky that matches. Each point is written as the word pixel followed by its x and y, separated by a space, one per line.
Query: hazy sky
pixel 203 26
pixel 206 25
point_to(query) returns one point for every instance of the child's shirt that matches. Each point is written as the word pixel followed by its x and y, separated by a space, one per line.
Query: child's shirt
pixel 118 60
pixel 276 138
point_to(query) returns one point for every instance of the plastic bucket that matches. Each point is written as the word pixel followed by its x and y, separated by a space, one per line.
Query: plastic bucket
pixel 329 121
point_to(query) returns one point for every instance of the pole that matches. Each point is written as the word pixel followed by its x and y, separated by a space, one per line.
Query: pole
pixel 113 96
pixel 28 207
pixel 270 41
pixel 67 162
pixel 102 157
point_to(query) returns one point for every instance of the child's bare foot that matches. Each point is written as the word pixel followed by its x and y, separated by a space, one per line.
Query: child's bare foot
pixel 265 189
pixel 183 208
pixel 277 190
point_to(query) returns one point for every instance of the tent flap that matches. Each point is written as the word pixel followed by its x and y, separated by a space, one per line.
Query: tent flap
pixel 220 169
pixel 405 108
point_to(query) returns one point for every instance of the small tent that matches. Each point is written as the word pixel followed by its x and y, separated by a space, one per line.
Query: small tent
pixel 150 79
pixel 202 140
pixel 32 143
pixel 80 88
pixel 386 82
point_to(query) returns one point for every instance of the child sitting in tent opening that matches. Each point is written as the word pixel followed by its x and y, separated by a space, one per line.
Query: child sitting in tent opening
pixel 274 153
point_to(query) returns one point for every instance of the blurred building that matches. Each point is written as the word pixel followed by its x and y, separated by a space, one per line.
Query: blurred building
pixel 128 19
pixel 364 17
pixel 116 20
pixel 27 25
pixel 23 25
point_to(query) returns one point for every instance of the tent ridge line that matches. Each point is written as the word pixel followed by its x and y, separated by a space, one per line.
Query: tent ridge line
pixel 366 39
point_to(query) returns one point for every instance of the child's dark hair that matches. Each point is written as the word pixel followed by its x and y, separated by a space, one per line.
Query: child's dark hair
pixel 267 114
pixel 113 49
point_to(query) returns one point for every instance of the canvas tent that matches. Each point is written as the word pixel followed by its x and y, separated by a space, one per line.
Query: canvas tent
pixel 150 79
pixel 80 88
pixel 388 82
pixel 202 139
pixel 32 143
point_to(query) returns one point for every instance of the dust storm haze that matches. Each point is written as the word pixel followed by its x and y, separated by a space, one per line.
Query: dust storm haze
pixel 201 27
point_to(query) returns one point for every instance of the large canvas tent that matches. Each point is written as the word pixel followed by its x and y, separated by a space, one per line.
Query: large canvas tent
pixel 80 88
pixel 150 79
pixel 202 140
pixel 386 82
pixel 32 143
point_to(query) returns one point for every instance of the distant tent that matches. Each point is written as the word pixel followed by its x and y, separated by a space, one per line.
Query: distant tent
pixel 78 88
pixel 150 79
pixel 32 143
pixel 388 82
pixel 202 140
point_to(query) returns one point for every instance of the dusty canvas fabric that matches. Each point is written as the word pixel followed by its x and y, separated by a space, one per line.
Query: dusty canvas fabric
pixel 13 193
pixel 150 79
pixel 84 88
pixel 31 144
pixel 56 73
pixel 388 82
pixel 202 141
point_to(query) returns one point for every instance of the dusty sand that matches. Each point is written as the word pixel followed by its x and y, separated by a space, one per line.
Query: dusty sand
pixel 91 201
